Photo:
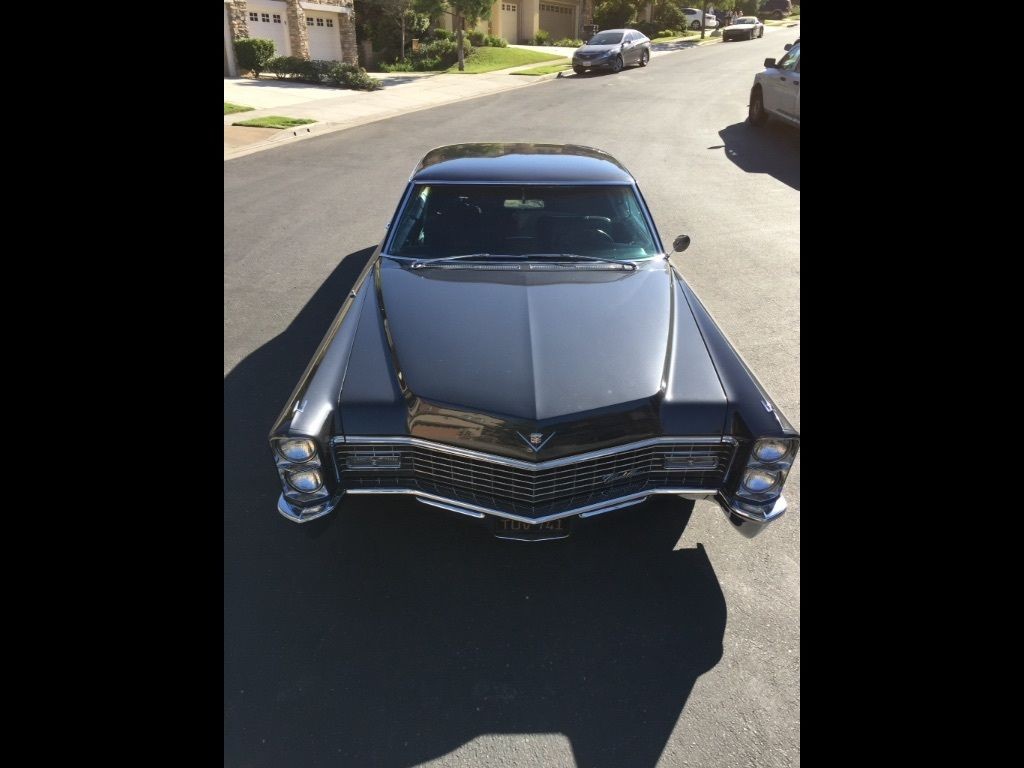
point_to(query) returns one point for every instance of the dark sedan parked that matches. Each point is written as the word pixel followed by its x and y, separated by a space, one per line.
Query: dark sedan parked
pixel 612 49
pixel 519 350
pixel 743 28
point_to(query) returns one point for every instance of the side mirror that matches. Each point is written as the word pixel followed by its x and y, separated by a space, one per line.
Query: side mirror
pixel 681 243
pixel 787 46
pixel 769 63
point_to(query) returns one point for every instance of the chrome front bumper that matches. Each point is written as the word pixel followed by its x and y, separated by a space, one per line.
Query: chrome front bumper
pixel 749 521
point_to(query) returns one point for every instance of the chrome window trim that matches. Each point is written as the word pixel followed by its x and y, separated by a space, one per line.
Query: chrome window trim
pixel 540 465
pixel 475 510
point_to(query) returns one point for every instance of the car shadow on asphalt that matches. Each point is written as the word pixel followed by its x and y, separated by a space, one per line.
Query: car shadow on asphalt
pixel 675 45
pixel 390 633
pixel 773 148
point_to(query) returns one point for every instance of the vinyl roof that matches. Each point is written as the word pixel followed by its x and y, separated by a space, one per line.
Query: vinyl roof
pixel 525 163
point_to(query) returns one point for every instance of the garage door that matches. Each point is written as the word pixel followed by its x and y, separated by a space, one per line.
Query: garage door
pixel 557 20
pixel 324 36
pixel 510 21
pixel 267 22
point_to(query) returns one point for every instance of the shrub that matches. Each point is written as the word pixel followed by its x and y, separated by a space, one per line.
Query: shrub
pixel 439 34
pixel 253 54
pixel 350 76
pixel 439 54
pixel 568 42
pixel 398 66
pixel 669 33
pixel 541 38
pixel 796 10
pixel 476 37
pixel 495 42
pixel 282 66
pixel 649 28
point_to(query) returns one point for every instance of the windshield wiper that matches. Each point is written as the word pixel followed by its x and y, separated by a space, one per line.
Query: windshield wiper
pixel 459 257
pixel 580 257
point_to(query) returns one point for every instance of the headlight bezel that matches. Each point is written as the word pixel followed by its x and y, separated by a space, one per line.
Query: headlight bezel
pixel 287 467
pixel 787 448
pixel 289 474
pixel 778 466
pixel 772 474
pixel 279 448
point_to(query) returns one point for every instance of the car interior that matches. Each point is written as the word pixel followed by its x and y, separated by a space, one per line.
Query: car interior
pixel 449 220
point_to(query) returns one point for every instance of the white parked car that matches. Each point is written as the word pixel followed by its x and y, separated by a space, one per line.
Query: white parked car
pixel 693 19
pixel 776 91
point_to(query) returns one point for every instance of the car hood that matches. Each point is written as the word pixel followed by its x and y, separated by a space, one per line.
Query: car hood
pixel 740 26
pixel 596 50
pixel 472 357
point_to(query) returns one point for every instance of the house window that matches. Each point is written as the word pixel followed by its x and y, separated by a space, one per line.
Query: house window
pixel 265 17
pixel 330 22
pixel 309 22
pixel 253 16
pixel 277 18
pixel 319 22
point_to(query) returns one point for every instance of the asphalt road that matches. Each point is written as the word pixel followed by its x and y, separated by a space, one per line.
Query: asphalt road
pixel 394 635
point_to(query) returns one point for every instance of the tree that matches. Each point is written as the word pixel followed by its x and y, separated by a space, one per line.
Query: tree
pixel 402 13
pixel 470 11
pixel 609 14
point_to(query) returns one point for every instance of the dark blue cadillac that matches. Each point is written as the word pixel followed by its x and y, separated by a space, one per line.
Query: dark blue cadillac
pixel 519 350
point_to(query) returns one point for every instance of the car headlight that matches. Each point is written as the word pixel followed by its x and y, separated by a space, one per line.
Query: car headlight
pixel 305 480
pixel 299 451
pixel 759 480
pixel 770 450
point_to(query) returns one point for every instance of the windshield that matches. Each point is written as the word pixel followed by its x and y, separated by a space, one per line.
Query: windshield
pixel 745 20
pixel 606 38
pixel 445 220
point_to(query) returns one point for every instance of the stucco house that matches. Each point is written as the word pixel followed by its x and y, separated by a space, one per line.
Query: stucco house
pixel 519 20
pixel 313 30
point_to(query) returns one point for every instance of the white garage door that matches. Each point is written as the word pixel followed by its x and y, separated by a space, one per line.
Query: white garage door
pixel 510 22
pixel 267 21
pixel 324 36
pixel 557 20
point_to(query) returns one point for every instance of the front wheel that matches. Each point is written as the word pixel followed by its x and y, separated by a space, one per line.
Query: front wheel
pixel 751 35
pixel 762 32
pixel 578 70
pixel 695 25
pixel 644 58
pixel 777 15
pixel 757 115
pixel 617 65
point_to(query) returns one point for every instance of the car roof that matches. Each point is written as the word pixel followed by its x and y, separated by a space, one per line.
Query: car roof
pixel 520 163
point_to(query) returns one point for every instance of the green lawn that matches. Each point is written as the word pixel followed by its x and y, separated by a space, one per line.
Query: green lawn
pixel 230 109
pixel 274 121
pixel 490 59
pixel 547 69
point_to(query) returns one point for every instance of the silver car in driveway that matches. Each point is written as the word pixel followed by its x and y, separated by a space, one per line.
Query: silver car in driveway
pixel 612 49
pixel 776 91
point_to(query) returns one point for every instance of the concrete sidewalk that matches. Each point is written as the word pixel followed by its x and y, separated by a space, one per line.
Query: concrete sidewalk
pixel 336 109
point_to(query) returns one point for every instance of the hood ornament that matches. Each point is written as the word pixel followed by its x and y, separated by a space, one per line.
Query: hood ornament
pixel 535 441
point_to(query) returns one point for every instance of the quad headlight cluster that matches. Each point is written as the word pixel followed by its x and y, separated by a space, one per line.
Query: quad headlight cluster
pixel 300 469
pixel 765 474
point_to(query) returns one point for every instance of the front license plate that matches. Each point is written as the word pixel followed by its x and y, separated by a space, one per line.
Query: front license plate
pixel 513 529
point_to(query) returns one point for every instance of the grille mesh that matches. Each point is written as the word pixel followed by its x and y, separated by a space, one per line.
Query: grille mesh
pixel 533 493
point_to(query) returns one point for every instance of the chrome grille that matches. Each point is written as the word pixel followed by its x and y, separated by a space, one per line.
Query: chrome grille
pixel 492 483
